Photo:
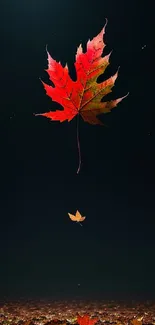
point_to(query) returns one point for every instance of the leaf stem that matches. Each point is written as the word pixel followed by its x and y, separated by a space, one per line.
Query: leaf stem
pixel 78 144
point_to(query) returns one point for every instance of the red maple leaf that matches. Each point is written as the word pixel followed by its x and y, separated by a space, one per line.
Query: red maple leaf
pixel 86 320
pixel 84 95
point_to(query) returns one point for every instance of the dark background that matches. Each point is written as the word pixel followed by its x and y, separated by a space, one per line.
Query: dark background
pixel 43 253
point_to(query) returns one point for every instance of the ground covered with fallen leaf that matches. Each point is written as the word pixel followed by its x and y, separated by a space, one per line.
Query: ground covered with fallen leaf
pixel 76 312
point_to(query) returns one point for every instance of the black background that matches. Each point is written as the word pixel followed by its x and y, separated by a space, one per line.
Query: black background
pixel 43 253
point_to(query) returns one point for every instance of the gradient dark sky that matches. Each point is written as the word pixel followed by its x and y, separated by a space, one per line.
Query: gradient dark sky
pixel 42 252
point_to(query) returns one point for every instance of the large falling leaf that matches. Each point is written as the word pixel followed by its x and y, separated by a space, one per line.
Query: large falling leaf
pixel 84 95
